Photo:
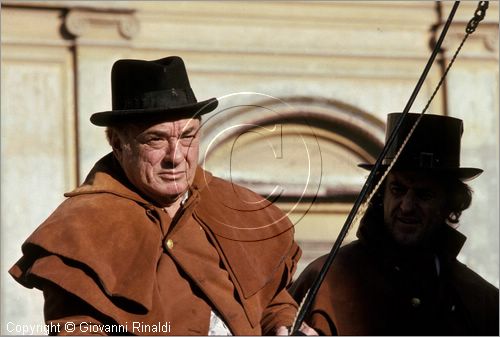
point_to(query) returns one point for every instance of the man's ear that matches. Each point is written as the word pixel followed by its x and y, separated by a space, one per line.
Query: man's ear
pixel 116 144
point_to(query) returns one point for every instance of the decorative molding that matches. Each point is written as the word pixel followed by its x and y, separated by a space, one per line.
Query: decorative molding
pixel 80 21
pixel 59 4
pixel 128 27
pixel 482 43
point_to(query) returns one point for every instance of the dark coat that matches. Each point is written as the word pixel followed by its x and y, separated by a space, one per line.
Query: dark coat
pixel 373 288
pixel 109 256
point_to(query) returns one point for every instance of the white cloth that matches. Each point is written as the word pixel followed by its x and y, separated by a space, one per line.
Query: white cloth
pixel 217 326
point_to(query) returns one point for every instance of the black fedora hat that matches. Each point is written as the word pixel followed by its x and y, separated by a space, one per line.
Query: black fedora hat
pixel 151 90
pixel 434 145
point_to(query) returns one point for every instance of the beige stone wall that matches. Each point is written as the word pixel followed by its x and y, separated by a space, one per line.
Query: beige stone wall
pixel 304 90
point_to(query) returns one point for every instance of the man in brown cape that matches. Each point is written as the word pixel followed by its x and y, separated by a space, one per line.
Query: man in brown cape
pixel 402 276
pixel 151 243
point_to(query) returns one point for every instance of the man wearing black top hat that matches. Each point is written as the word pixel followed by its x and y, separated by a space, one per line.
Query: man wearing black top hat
pixel 151 243
pixel 401 277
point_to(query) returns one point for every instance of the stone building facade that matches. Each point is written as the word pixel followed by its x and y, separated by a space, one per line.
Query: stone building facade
pixel 304 90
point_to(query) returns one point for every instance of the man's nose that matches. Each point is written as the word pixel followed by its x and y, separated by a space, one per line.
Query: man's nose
pixel 408 202
pixel 174 151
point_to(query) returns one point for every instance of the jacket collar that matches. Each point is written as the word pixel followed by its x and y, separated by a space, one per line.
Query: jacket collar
pixel 107 176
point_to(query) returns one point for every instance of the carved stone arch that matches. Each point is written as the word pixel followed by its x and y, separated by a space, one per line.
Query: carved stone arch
pixel 300 152
pixel 324 126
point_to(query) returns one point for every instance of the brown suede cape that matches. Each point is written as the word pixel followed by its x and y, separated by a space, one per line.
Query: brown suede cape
pixel 108 255
pixel 372 288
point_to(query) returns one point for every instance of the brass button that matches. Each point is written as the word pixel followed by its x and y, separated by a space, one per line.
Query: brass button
pixel 170 244
pixel 415 302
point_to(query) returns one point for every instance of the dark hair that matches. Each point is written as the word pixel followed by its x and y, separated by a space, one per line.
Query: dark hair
pixel 459 197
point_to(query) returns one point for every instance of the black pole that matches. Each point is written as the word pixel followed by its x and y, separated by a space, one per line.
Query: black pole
pixel 311 294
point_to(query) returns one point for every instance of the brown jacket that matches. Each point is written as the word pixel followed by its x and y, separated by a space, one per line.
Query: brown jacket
pixel 109 256
pixel 374 289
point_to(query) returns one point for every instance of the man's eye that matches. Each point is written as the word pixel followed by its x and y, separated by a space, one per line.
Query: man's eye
pixel 396 190
pixel 425 195
pixel 186 140
pixel 154 140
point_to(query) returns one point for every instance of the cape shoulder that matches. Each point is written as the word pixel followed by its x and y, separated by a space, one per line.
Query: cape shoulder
pixel 480 298
pixel 237 213
pixel 93 232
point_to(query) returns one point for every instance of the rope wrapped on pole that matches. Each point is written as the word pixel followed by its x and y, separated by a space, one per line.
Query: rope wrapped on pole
pixel 368 185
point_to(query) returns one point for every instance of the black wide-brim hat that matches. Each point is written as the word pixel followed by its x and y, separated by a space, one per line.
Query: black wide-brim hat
pixel 151 91
pixel 434 146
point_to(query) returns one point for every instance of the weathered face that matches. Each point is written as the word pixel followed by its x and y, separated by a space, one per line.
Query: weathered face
pixel 160 160
pixel 414 206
